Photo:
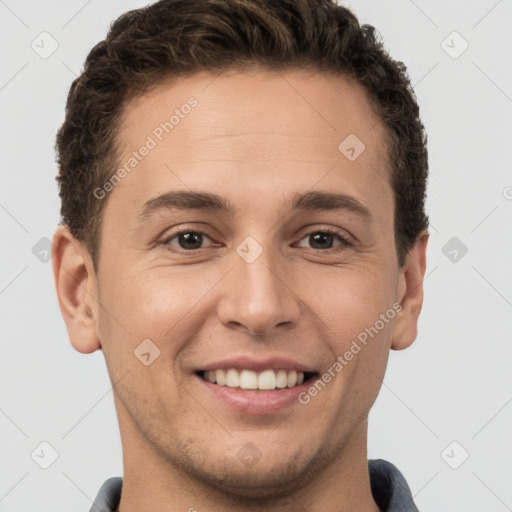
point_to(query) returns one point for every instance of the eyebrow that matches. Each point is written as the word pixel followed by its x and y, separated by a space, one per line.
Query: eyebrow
pixel 309 201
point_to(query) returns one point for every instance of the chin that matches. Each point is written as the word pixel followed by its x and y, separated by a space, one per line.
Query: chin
pixel 278 476
pixel 266 482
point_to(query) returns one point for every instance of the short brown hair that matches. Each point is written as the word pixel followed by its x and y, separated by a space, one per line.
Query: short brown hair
pixel 173 38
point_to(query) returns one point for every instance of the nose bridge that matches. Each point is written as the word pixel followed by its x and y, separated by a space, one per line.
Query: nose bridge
pixel 258 296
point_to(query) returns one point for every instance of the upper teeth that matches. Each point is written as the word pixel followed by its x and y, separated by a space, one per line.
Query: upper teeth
pixel 247 379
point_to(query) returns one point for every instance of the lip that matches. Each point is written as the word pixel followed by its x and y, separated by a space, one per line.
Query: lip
pixel 254 402
pixel 250 363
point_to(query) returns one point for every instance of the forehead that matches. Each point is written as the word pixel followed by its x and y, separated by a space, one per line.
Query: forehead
pixel 257 129
pixel 298 103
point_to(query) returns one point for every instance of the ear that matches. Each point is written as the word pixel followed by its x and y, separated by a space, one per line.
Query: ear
pixel 410 294
pixel 75 281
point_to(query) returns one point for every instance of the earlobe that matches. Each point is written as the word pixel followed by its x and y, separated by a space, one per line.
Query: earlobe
pixel 410 294
pixel 75 283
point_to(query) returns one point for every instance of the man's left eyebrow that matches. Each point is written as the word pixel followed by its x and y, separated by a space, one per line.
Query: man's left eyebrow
pixel 314 201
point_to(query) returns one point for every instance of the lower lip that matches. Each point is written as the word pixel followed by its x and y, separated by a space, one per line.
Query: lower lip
pixel 255 402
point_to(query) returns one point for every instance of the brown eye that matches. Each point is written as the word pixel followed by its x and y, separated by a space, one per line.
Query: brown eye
pixel 325 239
pixel 321 240
pixel 187 240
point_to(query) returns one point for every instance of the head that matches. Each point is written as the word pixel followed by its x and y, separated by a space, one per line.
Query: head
pixel 288 143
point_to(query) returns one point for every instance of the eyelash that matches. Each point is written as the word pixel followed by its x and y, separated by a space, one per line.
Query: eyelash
pixel 331 231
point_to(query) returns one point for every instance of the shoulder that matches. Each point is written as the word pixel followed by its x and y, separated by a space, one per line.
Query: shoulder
pixel 108 496
pixel 389 487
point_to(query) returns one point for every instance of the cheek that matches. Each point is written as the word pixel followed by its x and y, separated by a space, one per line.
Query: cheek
pixel 149 301
pixel 146 307
pixel 346 301
pixel 165 306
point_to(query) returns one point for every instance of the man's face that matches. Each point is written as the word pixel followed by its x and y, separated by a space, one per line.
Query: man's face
pixel 259 287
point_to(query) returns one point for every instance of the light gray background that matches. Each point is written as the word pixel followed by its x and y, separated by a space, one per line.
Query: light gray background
pixel 453 384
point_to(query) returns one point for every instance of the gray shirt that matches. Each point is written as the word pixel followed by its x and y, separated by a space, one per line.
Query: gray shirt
pixel 389 488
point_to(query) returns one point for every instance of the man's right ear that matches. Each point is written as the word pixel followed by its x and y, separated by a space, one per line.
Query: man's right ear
pixel 75 282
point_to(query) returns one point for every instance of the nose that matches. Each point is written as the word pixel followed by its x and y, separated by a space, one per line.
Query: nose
pixel 258 296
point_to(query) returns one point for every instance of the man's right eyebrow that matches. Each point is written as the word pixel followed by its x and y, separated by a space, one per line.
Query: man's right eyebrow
pixel 185 200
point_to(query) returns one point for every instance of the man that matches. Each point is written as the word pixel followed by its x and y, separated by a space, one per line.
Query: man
pixel 244 237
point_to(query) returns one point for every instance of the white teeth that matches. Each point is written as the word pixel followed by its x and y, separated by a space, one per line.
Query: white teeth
pixel 292 379
pixel 232 378
pixel 267 380
pixel 248 379
pixel 281 379
pixel 220 377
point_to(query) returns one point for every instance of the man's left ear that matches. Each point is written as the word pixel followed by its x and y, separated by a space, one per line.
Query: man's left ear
pixel 410 294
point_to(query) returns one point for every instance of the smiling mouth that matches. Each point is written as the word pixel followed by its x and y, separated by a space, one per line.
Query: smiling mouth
pixel 267 380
